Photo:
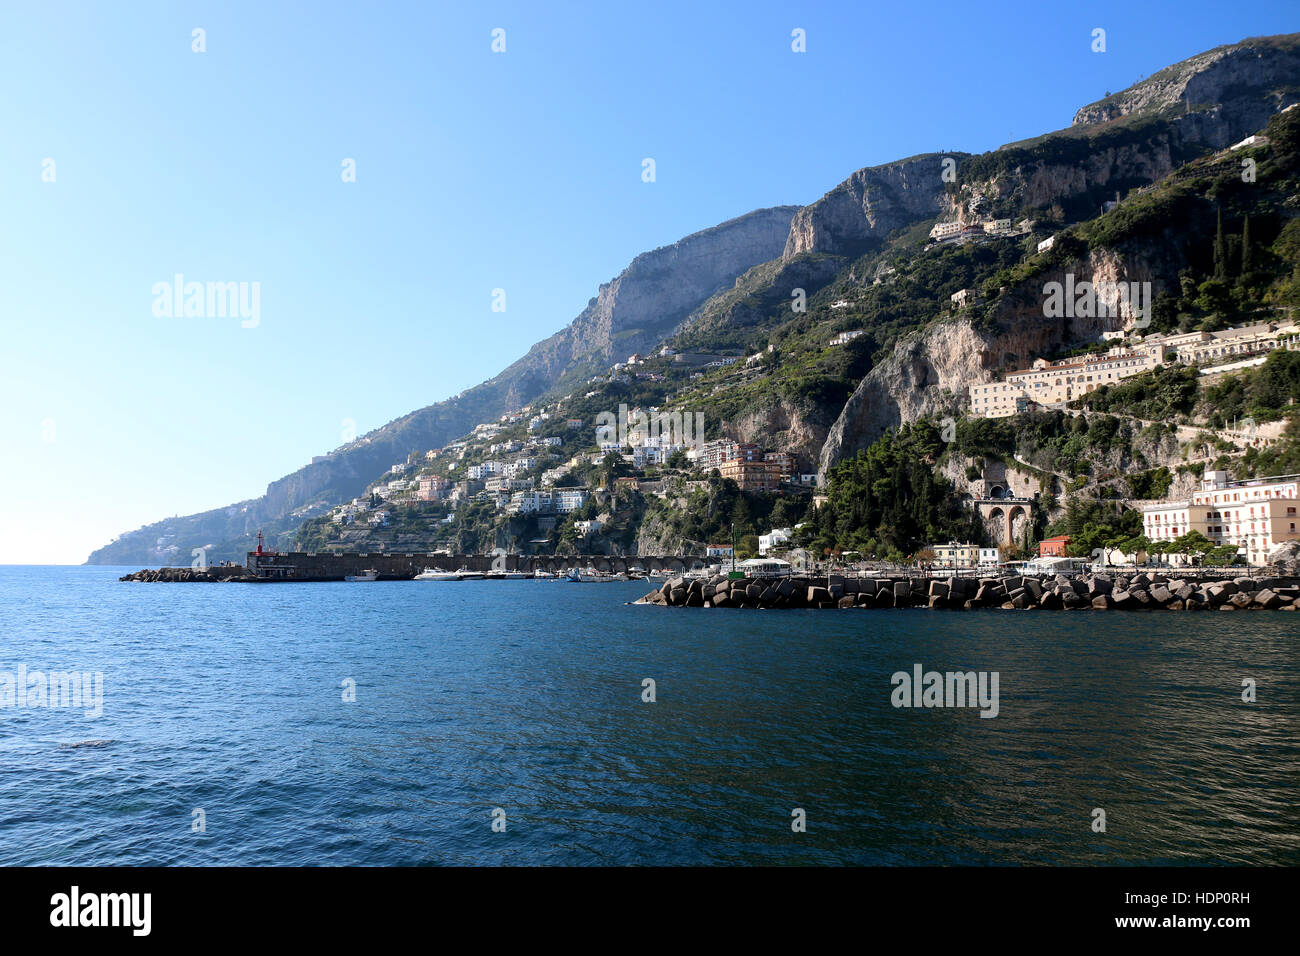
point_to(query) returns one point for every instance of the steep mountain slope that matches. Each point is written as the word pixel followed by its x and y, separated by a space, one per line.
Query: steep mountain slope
pixel 781 283
pixel 631 313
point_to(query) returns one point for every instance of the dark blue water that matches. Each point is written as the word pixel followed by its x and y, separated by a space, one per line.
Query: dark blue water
pixel 526 696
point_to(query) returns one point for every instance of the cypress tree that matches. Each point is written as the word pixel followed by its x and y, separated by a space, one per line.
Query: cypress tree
pixel 1247 260
pixel 1220 256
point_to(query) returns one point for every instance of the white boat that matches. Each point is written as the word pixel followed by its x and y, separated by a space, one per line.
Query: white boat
pixel 505 575
pixel 370 574
pixel 543 574
pixel 589 576
pixel 433 574
pixel 465 574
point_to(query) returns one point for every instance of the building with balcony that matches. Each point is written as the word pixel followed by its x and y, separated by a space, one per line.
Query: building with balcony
pixel 1254 515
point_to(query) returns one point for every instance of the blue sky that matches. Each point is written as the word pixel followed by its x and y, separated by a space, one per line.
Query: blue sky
pixel 475 170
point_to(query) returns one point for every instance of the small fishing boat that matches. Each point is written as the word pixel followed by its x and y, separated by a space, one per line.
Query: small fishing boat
pixel 433 574
pixel 370 574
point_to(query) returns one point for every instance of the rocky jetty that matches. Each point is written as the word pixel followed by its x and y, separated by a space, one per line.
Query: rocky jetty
pixel 1099 592
pixel 215 574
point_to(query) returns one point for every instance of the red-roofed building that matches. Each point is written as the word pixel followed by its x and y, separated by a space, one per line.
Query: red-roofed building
pixel 1054 547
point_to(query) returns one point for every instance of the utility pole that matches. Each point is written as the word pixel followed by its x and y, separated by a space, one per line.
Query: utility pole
pixel 733 546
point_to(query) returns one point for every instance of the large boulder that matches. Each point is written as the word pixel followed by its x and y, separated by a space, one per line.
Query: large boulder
pixel 1286 557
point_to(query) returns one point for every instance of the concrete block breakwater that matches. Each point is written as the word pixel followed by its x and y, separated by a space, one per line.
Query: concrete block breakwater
pixel 1100 592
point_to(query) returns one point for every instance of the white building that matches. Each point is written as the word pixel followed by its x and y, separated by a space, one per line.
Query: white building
pixel 523 502
pixel 776 538
pixel 1255 515
pixel 945 230
pixel 569 499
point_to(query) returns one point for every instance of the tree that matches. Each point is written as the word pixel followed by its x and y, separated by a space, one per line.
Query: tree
pixel 1247 257
pixel 1220 250
pixel 1193 544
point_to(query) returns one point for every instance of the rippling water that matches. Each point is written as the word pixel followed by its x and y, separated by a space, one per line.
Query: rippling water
pixel 526 696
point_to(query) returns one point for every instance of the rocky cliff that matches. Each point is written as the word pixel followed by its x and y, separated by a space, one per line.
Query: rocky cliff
pixel 869 205
pixel 725 286
pixel 649 298
pixel 1236 88
pixel 929 372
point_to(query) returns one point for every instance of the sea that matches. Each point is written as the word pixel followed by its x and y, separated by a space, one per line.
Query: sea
pixel 548 722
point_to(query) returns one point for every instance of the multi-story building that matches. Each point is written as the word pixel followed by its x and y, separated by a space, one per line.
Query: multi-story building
pixel 431 487
pixel 751 475
pixel 1195 348
pixel 518 466
pixel 1048 383
pixel 712 454
pixel 569 499
pixel 523 502
pixel 783 462
pixel 945 230
pixel 954 555
pixel 776 538
pixel 1255 515
pixel 1051 383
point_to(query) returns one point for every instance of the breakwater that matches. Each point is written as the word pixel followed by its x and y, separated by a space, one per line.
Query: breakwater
pixel 1136 592
pixel 335 565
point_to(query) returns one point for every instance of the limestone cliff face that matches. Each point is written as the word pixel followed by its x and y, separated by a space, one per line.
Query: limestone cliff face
pixel 1224 93
pixel 655 293
pixel 779 423
pixel 925 376
pixel 870 204
pixel 929 372
pixel 1042 184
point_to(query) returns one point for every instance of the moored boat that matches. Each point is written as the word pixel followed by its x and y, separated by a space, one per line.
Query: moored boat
pixel 589 576
pixel 433 574
pixel 370 574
